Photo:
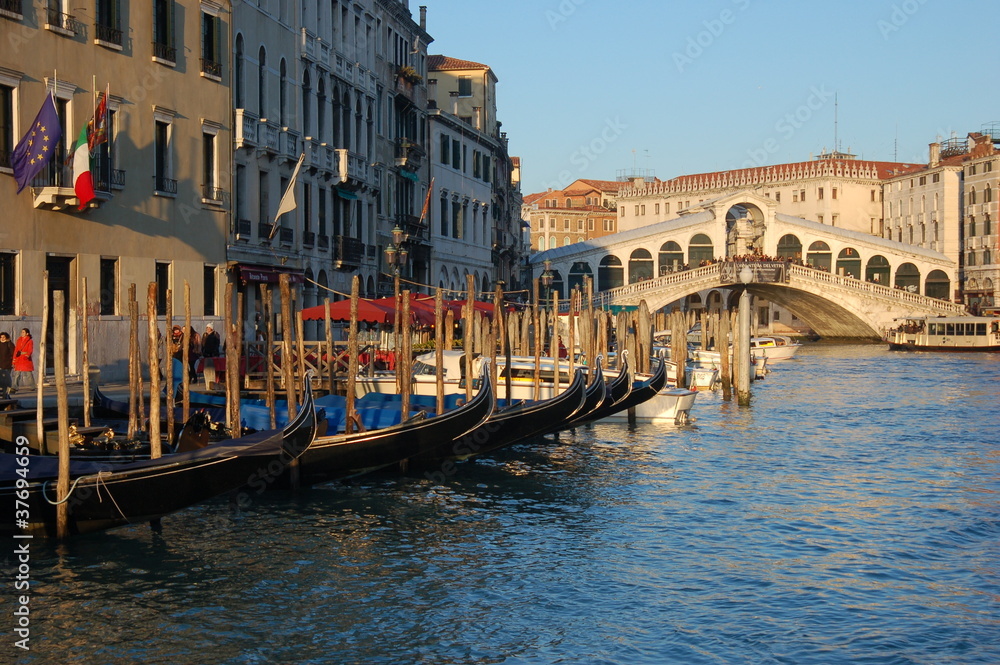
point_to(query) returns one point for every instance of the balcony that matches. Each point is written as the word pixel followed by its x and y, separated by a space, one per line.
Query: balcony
pixel 324 242
pixel 60 23
pixel 347 253
pixel 214 195
pixel 246 129
pixel 314 49
pixel 288 144
pixel 355 176
pixel 243 227
pixel 267 137
pixel 409 154
pixel 164 186
pixel 309 239
pixel 108 35
pixel 264 230
pixel 411 225
pixel 164 53
pixel 11 9
pixel 286 235
pixel 211 69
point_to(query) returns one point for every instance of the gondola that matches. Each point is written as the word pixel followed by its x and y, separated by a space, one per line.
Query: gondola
pixel 515 423
pixel 341 456
pixel 614 392
pixel 104 496
pixel 639 391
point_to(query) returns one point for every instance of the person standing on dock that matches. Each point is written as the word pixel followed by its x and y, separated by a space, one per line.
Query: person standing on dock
pixel 6 364
pixel 24 367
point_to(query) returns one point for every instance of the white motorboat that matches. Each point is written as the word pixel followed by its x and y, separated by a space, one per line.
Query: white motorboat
pixel 774 347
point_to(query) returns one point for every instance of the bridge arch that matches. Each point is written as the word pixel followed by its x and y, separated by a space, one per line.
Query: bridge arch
pixel 610 273
pixel 640 265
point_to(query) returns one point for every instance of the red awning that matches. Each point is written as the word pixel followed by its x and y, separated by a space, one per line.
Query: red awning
pixel 268 274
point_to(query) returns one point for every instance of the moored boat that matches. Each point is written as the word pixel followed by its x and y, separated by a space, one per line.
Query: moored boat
pixel 104 496
pixel 945 333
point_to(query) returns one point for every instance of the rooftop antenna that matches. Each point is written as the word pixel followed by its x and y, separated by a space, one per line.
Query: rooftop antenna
pixel 836 146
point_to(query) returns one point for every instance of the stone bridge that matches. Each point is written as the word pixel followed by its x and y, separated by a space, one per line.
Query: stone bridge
pixel 832 305
pixel 840 282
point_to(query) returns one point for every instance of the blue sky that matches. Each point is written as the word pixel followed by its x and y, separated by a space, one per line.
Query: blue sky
pixel 591 87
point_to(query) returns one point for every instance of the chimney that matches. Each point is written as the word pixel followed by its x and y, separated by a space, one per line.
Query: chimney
pixel 432 85
pixel 454 102
pixel 935 155
pixel 423 17
pixel 477 117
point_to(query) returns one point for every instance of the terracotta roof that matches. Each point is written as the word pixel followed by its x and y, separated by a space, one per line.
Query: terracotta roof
pixel 883 170
pixel 605 185
pixel 443 62
pixel 531 198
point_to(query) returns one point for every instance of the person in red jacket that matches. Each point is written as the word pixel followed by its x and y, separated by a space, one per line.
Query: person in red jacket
pixel 24 367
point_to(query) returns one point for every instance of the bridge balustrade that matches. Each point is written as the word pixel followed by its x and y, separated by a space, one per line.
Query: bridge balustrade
pixel 766 272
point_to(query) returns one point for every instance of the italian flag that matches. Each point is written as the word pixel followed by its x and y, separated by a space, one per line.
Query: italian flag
pixel 83 181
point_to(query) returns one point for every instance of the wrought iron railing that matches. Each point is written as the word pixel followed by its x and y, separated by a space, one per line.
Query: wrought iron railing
pixel 243 227
pixel 108 33
pixel 12 6
pixel 309 238
pixel 164 52
pixel 164 185
pixel 211 68
pixel 264 230
pixel 286 235
pixel 347 251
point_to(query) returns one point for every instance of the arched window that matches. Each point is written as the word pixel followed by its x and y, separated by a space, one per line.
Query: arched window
pixel 908 278
pixel 972 225
pixel 700 249
pixel 640 266
pixel 345 120
pixel 238 83
pixel 790 247
pixel 937 285
pixel 819 255
pixel 987 257
pixel 610 273
pixel 849 262
pixel 877 270
pixel 306 103
pixel 282 94
pixel 970 260
pixel 671 257
pixel 566 241
pixel 988 194
pixel 262 83
pixel 578 274
pixel 972 195
pixel 321 109
pixel 541 243
pixel 552 242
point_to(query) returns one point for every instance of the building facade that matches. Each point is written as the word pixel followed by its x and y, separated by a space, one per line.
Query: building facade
pixel 583 210
pixel 476 204
pixel 162 210
pixel 341 86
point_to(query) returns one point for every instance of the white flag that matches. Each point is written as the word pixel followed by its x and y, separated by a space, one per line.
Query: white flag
pixel 288 198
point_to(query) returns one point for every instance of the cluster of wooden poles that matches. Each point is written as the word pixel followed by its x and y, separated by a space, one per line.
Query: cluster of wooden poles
pixel 508 333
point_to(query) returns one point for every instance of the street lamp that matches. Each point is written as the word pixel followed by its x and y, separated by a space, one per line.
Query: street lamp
pixel 396 254
pixel 547 275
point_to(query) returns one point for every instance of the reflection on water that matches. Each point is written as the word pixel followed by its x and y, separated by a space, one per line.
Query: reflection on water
pixel 849 515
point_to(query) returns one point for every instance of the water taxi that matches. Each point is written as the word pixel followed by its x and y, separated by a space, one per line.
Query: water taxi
pixel 945 333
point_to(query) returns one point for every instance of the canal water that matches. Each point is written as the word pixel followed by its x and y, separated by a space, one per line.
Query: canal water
pixel 850 515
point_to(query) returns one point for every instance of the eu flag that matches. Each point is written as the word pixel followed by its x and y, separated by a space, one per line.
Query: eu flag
pixel 37 146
